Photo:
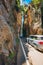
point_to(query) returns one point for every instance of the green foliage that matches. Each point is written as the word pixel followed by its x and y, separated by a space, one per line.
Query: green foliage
pixel 18 3
pixel 17 40
pixel 25 8
pixel 36 1
pixel 22 8
pixel 11 55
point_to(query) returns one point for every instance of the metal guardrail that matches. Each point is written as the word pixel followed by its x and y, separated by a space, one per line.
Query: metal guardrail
pixel 27 62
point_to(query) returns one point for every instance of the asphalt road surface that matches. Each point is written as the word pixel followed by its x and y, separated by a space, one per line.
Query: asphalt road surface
pixel 22 58
pixel 34 57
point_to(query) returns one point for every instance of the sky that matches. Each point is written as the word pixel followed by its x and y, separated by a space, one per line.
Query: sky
pixel 25 2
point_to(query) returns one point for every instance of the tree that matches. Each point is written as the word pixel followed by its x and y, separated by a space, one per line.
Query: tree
pixel 36 2
pixel 18 3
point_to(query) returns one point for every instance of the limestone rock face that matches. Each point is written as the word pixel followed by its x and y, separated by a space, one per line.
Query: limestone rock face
pixel 34 20
pixel 6 37
pixel 8 33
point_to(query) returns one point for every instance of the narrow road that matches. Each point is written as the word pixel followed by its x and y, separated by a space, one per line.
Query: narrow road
pixel 34 56
pixel 30 54
pixel 20 57
pixel 22 54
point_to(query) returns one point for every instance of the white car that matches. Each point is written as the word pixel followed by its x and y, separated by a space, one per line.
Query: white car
pixel 36 41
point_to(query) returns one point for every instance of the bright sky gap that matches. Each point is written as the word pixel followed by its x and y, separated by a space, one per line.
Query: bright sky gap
pixel 25 2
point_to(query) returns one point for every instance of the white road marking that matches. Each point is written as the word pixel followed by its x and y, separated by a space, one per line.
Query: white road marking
pixel 27 62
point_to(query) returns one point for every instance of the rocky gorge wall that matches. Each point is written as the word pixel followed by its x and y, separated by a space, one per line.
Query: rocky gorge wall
pixel 9 41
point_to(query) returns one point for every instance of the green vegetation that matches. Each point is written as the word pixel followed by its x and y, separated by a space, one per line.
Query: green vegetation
pixel 18 3
pixel 36 2
pixel 22 8
pixel 17 40
pixel 11 55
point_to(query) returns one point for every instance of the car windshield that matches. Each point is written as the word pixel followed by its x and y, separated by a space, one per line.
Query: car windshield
pixel 33 37
pixel 36 38
pixel 41 38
